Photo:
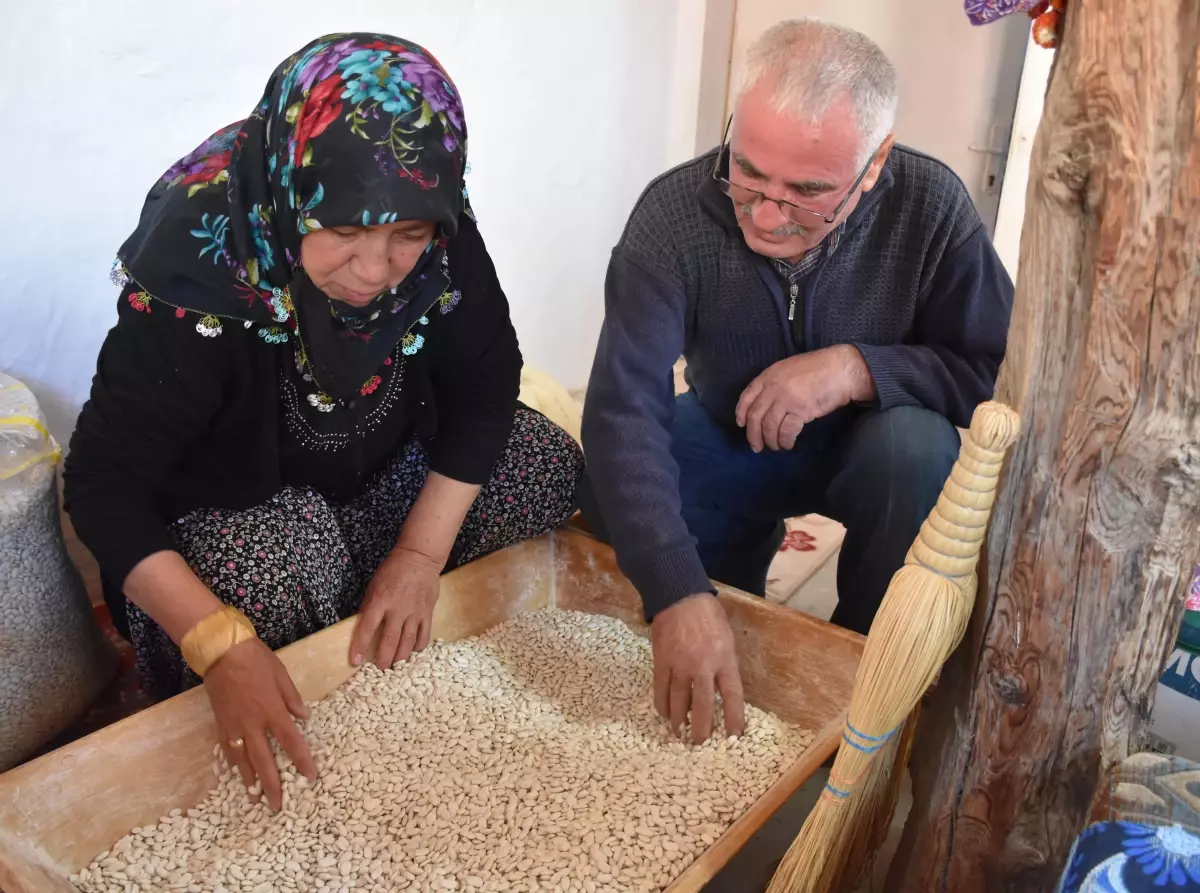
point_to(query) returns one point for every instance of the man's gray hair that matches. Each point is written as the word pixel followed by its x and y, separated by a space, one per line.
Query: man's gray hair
pixel 816 64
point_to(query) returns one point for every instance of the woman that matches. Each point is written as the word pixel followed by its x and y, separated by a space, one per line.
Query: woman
pixel 308 406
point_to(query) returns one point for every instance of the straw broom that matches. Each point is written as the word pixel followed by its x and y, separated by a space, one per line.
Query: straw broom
pixel 869 825
pixel 870 813
pixel 923 617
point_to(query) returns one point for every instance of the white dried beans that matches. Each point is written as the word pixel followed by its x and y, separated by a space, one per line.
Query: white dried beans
pixel 53 658
pixel 527 759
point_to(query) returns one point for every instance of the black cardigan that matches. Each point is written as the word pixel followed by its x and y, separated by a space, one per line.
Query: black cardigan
pixel 178 421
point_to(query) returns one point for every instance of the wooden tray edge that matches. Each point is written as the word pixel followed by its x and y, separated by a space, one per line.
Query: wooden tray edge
pixel 717 856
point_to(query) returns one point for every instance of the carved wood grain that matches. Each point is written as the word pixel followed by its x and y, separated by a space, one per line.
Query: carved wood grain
pixel 1097 528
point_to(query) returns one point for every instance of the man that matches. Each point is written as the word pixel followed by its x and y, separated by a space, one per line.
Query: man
pixel 840 308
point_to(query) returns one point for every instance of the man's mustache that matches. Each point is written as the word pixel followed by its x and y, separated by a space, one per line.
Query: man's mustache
pixel 782 232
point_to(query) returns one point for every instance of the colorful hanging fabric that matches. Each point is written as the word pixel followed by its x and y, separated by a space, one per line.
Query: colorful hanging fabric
pixel 1047 16
pixel 984 12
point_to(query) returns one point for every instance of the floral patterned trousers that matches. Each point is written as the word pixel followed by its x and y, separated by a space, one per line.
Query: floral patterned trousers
pixel 297 564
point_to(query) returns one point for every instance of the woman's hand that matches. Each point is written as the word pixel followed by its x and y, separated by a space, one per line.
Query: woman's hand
pixel 398 607
pixel 253 695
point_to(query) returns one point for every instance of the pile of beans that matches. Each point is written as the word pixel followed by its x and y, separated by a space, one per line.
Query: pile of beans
pixel 527 759
pixel 53 657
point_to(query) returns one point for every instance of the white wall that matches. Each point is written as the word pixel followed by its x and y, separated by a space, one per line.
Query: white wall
pixel 703 41
pixel 567 105
pixel 957 81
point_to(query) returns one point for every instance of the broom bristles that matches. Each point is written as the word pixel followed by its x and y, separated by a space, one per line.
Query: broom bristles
pixel 828 861
pixel 922 618
pixel 905 649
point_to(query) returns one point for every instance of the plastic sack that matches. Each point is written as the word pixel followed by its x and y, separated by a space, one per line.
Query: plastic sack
pixel 54 659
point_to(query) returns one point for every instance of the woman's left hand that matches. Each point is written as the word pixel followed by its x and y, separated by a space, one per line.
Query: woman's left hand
pixel 397 609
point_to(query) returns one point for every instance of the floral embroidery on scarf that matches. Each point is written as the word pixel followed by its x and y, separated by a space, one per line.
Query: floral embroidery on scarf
pixel 302 361
pixel 209 326
pixel 322 402
pixel 212 234
pixel 353 130
pixel 378 77
pixel 140 301
pixel 411 343
pixel 449 300
pixel 118 275
pixel 260 230
pixel 281 303
pixel 465 194
pixel 206 165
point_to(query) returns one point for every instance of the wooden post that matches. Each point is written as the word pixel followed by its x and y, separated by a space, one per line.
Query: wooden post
pixel 1097 527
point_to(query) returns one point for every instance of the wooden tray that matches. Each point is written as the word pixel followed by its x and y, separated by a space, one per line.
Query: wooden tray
pixel 59 811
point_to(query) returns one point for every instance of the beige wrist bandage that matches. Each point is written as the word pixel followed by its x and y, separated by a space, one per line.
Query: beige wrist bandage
pixel 206 642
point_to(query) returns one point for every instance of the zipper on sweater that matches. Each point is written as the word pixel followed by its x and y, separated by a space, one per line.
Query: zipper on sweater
pixel 810 292
pixel 794 292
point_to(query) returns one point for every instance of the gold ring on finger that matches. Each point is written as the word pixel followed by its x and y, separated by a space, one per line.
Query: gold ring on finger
pixel 237 743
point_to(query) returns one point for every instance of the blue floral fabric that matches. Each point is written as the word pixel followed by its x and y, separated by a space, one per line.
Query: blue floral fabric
pixel 1130 857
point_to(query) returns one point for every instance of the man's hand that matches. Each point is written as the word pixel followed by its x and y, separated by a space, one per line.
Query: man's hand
pixel 693 658
pixel 399 606
pixel 793 392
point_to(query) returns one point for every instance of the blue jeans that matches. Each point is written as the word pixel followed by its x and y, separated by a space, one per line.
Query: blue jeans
pixel 878 473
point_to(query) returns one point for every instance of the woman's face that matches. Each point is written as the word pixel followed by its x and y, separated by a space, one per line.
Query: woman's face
pixel 356 264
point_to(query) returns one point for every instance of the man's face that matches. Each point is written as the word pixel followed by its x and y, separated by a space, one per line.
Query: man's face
pixel 810 164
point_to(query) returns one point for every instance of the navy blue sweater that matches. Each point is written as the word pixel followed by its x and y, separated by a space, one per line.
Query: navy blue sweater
pixel 914 284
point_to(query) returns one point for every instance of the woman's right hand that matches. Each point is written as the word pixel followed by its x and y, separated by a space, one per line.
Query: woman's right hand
pixel 252 696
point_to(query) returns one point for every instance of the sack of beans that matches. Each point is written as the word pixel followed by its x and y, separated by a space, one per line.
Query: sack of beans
pixel 542 393
pixel 53 657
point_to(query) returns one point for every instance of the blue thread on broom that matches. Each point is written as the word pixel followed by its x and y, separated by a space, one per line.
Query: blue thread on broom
pixel 880 741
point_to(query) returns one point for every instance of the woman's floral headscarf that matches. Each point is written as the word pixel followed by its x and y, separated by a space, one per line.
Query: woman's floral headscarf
pixel 355 129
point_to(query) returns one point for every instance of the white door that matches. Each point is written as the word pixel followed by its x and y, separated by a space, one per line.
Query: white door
pixel 1035 78
pixel 958 82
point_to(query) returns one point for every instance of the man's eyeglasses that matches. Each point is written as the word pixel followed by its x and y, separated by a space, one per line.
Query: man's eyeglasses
pixel 747 197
